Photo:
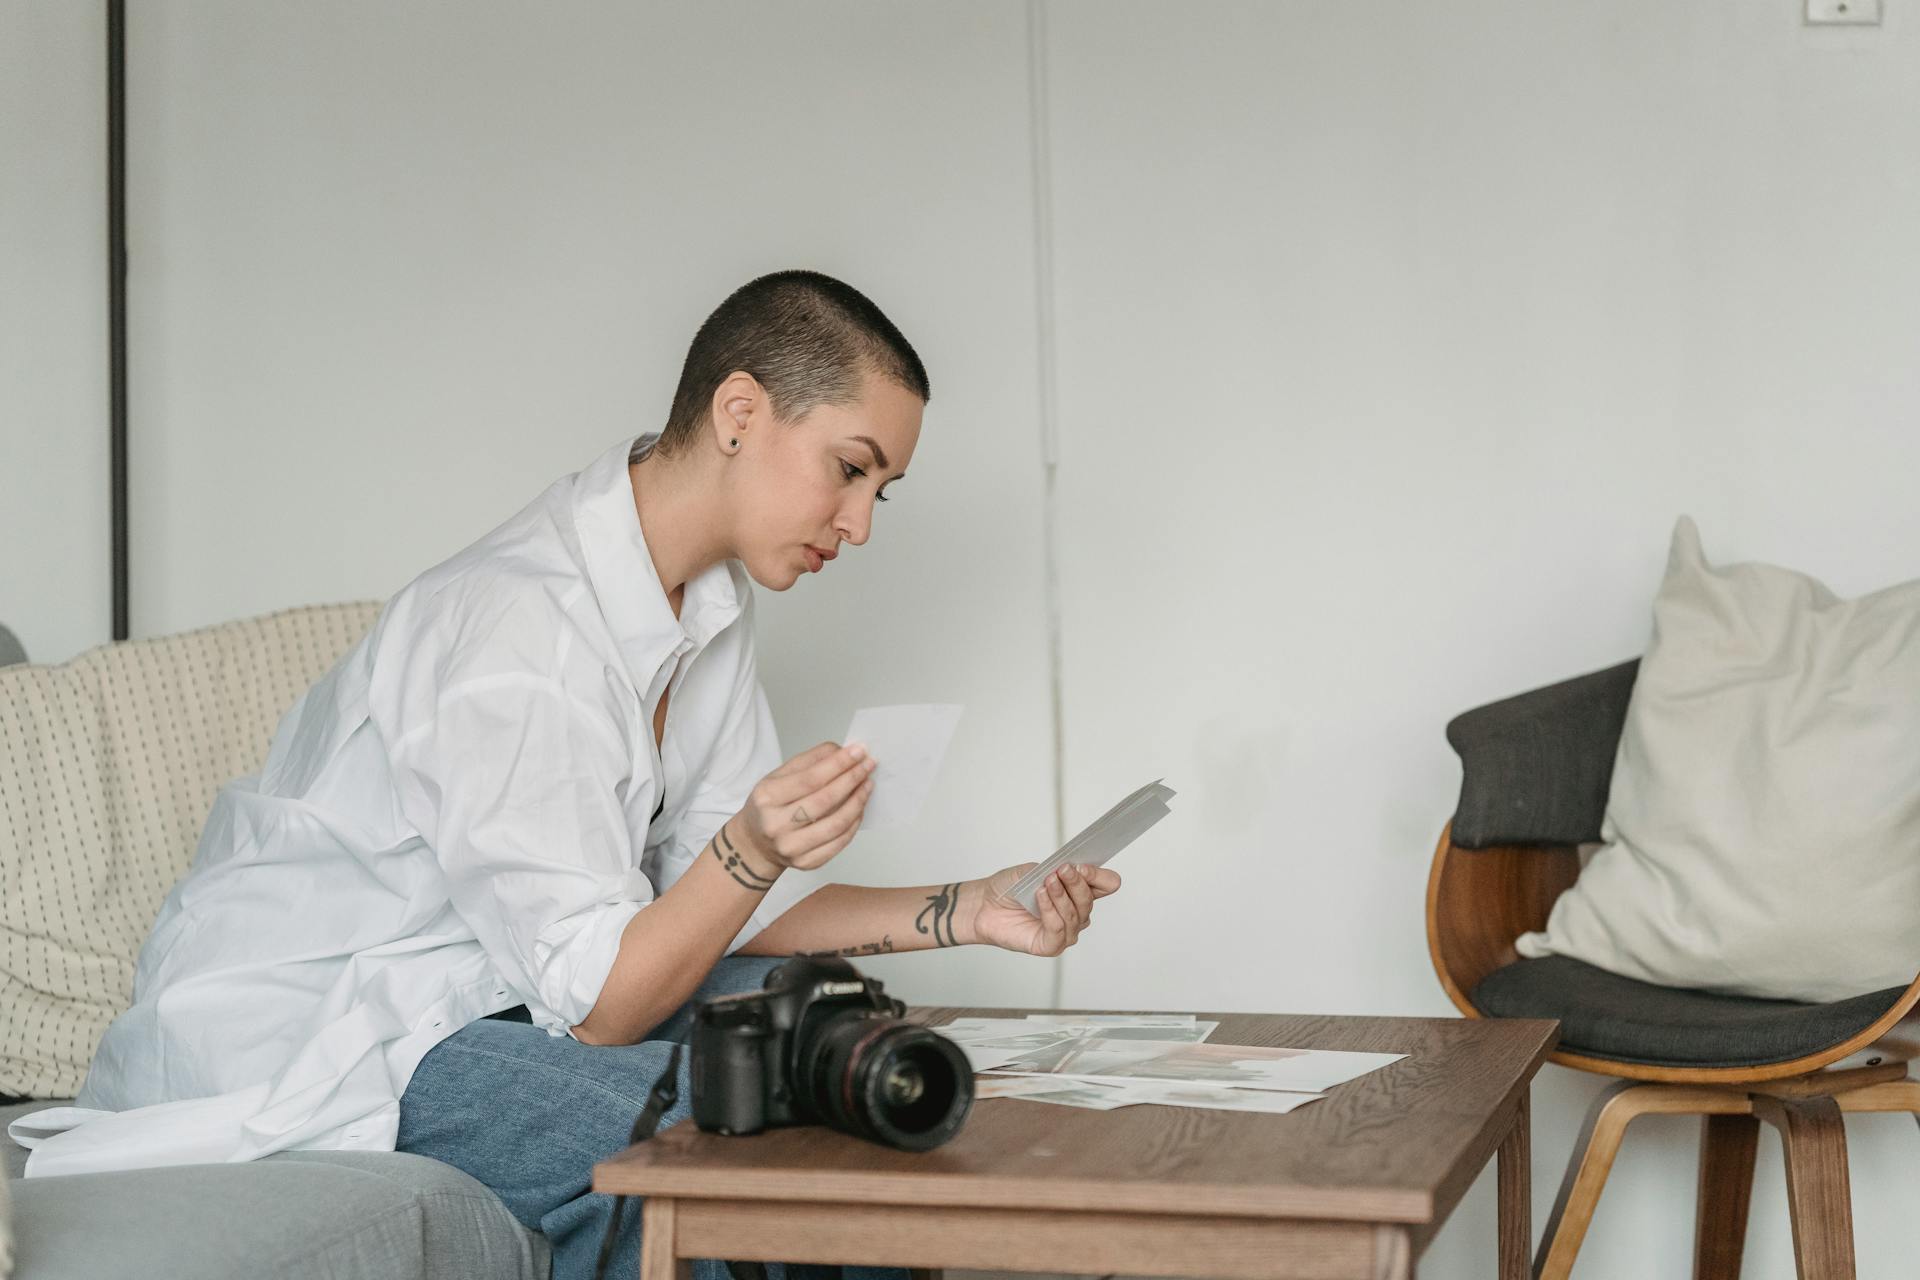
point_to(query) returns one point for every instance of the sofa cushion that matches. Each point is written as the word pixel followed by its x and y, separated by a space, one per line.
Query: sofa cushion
pixel 108 766
pixel 298 1214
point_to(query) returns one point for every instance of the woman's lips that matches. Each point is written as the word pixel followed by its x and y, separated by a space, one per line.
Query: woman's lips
pixel 814 560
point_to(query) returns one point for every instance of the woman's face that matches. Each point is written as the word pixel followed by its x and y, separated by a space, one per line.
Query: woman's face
pixel 803 488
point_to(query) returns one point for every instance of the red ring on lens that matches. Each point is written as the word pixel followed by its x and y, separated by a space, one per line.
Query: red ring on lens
pixel 853 1058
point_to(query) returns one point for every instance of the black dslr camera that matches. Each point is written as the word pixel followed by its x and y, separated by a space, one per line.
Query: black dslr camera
pixel 822 1045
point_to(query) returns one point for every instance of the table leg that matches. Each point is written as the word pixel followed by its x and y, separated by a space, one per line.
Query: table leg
pixel 1516 1194
pixel 659 1258
pixel 1392 1254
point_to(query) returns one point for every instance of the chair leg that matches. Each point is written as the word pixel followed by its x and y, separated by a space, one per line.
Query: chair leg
pixel 1586 1175
pixel 1819 1196
pixel 1898 1095
pixel 1727 1147
pixel 1593 1155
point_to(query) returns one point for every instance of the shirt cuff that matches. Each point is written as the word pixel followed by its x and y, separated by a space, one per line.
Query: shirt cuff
pixel 572 958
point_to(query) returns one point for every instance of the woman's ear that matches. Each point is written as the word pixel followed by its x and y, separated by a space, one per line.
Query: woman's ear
pixel 738 402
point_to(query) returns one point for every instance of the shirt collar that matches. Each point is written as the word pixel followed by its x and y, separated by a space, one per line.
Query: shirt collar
pixel 620 570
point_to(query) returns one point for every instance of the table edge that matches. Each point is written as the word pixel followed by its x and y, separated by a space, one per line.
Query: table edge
pixel 1399 1205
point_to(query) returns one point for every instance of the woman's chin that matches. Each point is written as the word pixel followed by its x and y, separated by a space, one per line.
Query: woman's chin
pixel 776 577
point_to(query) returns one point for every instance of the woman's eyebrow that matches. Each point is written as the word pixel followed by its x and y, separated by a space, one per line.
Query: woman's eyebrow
pixel 879 454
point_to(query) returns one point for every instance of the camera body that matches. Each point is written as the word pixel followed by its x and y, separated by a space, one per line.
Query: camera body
pixel 820 1044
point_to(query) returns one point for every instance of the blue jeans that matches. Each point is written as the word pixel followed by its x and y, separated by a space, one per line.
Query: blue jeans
pixel 530 1114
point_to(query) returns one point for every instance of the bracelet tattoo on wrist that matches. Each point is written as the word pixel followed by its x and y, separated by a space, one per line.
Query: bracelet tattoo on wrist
pixel 738 867
pixel 937 916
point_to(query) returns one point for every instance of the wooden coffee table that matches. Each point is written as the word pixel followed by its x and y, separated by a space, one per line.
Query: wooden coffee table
pixel 1352 1187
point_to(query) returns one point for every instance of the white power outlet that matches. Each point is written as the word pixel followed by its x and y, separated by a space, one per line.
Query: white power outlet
pixel 1849 13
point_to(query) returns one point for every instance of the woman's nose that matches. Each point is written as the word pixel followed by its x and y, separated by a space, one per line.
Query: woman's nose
pixel 856 524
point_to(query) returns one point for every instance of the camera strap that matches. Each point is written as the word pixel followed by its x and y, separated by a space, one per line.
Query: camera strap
pixel 660 1098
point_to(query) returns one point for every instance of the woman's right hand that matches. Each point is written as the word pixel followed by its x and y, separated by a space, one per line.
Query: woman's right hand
pixel 809 809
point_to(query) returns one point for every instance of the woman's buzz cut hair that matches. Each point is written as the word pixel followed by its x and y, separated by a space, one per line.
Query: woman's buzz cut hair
pixel 807 338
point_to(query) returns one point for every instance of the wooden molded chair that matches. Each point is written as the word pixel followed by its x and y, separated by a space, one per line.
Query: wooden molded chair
pixel 1536 769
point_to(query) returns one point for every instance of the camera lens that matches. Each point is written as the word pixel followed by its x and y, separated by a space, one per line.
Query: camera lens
pixel 905 1084
pixel 887 1080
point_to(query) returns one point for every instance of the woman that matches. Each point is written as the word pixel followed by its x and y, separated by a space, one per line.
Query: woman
pixel 499 845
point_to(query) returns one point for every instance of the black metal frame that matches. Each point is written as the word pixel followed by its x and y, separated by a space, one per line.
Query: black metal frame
pixel 117 300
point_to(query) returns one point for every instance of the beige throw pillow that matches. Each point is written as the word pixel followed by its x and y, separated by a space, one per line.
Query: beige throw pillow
pixel 1762 834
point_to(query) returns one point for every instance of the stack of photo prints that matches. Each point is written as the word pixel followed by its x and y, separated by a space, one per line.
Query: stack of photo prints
pixel 1103 1061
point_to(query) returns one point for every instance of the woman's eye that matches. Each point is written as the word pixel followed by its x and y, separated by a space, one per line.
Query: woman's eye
pixel 852 473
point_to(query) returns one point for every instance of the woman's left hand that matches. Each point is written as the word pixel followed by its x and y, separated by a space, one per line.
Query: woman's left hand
pixel 1065 903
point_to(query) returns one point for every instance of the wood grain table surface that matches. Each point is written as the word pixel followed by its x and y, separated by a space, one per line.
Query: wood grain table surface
pixel 1354 1185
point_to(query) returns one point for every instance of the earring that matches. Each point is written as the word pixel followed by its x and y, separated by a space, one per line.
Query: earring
pixel 734 443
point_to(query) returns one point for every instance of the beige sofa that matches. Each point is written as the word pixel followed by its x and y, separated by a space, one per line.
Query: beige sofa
pixel 108 765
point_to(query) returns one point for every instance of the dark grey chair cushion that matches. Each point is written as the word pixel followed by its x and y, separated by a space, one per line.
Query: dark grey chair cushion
pixel 1536 766
pixel 1604 1015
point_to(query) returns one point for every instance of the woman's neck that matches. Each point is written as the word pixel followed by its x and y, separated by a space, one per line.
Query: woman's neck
pixel 676 504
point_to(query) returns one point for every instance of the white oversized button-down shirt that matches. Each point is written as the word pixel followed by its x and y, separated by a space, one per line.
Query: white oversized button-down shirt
pixel 456 819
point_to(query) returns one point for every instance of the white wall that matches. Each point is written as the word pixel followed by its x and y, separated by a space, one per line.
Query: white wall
pixel 55 588
pixel 1390 341
pixel 402 265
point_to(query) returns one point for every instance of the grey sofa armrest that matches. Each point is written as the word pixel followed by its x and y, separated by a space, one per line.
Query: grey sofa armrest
pixel 11 650
pixel 1536 767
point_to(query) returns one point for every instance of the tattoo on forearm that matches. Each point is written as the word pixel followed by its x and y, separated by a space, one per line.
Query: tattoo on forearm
pixel 936 917
pixel 736 866
pixel 879 948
